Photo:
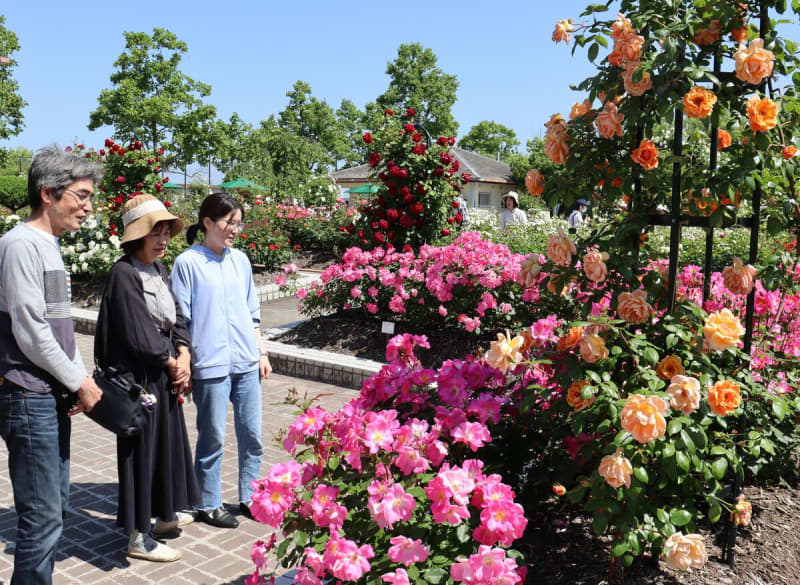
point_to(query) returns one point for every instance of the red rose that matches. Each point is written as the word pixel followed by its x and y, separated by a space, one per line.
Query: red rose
pixel 451 141
pixel 408 198
pixel 442 141
pixel 383 224
pixel 455 204
pixel 150 161
pixel 109 143
pixel 160 151
pixel 68 149
pixel 88 155
pixel 410 112
pixel 378 237
pixel 120 179
pixel 456 165
pixel 137 145
pixel 388 112
pixel 406 221
pixel 450 220
pixel 367 138
pixel 102 152
pixel 459 217
pixel 272 247
pixel 252 245
pixel 466 177
pixel 419 149
pixel 405 191
pixel 121 151
pixel 616 182
pixel 166 180
pixel 438 172
pixel 139 185
pixel 445 232
pixel 445 158
pixel 392 214
pixel 158 168
pixel 416 137
pixel 409 128
pixel 373 159
pixel 417 208
pixel 167 204
pixel 420 188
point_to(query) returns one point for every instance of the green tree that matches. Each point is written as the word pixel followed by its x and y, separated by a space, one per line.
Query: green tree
pixel 17 161
pixel 13 192
pixel 416 82
pixel 151 99
pixel 352 123
pixel 313 120
pixel 490 139
pixel 11 103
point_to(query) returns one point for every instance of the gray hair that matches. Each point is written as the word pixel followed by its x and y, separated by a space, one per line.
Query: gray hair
pixel 56 169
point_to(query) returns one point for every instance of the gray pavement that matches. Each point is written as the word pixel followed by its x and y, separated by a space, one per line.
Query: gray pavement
pixel 280 312
pixel 92 549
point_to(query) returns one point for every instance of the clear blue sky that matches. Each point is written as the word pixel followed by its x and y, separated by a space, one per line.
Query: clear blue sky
pixel 251 52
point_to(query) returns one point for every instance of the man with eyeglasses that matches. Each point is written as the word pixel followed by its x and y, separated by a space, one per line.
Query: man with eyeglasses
pixel 39 360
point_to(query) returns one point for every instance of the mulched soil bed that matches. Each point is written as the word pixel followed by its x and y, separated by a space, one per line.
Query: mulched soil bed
pixel 559 543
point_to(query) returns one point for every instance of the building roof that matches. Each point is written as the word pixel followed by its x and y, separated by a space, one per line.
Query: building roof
pixel 482 168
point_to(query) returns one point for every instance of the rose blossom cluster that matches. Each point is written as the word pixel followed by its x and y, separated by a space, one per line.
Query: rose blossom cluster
pixel 409 429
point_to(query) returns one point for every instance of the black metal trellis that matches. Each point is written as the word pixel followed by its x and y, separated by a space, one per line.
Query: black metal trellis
pixel 676 221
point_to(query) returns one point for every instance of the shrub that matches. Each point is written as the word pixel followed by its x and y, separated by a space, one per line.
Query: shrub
pixel 13 192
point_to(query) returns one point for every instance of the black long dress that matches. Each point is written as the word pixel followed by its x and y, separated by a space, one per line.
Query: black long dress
pixel 156 476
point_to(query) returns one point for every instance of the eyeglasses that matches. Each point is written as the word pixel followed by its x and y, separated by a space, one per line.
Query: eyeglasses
pixel 81 196
pixel 234 225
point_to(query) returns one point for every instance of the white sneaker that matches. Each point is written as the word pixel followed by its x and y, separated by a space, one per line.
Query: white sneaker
pixel 142 546
pixel 184 518
pixel 163 527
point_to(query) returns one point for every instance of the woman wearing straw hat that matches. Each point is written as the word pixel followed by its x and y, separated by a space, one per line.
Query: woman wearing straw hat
pixel 140 329
pixel 512 215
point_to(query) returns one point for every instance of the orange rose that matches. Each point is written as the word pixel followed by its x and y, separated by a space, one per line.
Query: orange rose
pixel 742 512
pixel 504 353
pixel 699 102
pixel 571 339
pixel 646 155
pixel 560 248
pixel 643 417
pixel 633 307
pixel 534 181
pixel 682 551
pixel 555 144
pixel 789 151
pixel 739 278
pixel 723 139
pixel 559 489
pixel 574 395
pixel 562 30
pixel 722 330
pixel 684 394
pixel 616 469
pixel 609 121
pixel 530 269
pixel 579 109
pixel 754 63
pixel 594 265
pixel 708 36
pixel 724 397
pixel 630 47
pixel 636 87
pixel 762 114
pixel 593 348
pixel 668 367
pixel 621 28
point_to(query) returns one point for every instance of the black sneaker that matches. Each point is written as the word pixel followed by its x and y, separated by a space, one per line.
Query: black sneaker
pixel 245 510
pixel 220 518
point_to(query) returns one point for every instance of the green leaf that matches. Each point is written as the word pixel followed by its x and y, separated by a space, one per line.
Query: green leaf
pixel 413 572
pixel 619 548
pixel 282 547
pixel 593 50
pixel 434 575
pixel 719 467
pixel 641 474
pixel 682 460
pixel 333 462
pixel 463 533
pixel 600 523
pixel 779 407
pixel 300 538
pixel 680 517
pixel 650 355
pixel 714 512
pixel 668 450
pixel 674 426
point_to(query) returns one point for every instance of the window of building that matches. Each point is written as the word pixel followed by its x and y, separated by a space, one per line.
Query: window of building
pixel 484 198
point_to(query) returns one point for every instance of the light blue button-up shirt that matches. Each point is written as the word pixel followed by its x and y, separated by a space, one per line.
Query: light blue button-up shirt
pixel 219 302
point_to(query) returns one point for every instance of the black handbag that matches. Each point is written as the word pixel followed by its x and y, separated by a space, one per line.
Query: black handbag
pixel 125 407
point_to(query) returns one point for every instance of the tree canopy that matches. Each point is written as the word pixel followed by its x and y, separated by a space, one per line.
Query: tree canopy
pixel 151 99
pixel 416 82
pixel 490 139
pixel 11 103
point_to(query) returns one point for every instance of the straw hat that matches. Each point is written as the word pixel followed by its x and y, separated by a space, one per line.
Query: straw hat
pixel 141 214
pixel 513 196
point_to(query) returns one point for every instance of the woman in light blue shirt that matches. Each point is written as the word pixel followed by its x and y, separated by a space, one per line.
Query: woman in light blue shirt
pixel 213 283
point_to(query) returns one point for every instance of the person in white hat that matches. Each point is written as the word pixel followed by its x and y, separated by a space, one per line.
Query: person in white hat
pixel 512 215
pixel 141 330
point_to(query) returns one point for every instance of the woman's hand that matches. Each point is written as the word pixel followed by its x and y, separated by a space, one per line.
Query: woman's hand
pixel 264 367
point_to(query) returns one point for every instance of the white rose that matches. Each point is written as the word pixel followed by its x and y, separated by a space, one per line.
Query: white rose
pixel 84 267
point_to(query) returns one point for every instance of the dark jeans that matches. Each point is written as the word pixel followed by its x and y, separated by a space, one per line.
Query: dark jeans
pixel 37 438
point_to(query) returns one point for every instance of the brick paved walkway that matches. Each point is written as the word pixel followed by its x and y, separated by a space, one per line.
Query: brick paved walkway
pixel 92 549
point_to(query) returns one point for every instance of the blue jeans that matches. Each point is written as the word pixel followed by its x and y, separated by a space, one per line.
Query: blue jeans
pixel 211 397
pixel 37 438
